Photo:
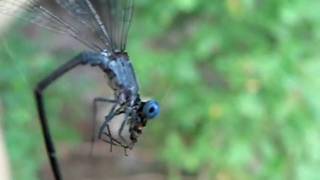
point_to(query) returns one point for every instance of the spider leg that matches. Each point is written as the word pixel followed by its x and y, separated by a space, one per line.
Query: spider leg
pixel 82 59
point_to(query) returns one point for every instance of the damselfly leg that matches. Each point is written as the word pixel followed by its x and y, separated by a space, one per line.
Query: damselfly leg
pixel 105 124
pixel 122 126
pixel 105 128
pixel 94 123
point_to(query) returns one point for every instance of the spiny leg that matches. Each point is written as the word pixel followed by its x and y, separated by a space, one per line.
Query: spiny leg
pixel 121 129
pixel 94 123
pixel 108 134
pixel 107 119
pixel 114 142
pixel 105 124
pixel 82 59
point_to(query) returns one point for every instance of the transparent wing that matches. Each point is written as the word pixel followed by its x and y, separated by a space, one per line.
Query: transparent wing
pixel 117 15
pixel 84 12
pixel 32 11
pixel 83 22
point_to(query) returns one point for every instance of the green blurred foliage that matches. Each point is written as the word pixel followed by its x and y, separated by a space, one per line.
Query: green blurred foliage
pixel 237 80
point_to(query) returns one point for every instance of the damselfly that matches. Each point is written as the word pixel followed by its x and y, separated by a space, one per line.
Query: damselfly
pixel 102 26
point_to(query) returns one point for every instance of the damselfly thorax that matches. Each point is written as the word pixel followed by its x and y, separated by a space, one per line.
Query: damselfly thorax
pixel 121 76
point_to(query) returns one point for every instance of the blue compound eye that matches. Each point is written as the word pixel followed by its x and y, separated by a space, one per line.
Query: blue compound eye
pixel 151 109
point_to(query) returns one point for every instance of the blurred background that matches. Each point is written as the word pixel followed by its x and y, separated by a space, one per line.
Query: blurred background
pixel 238 82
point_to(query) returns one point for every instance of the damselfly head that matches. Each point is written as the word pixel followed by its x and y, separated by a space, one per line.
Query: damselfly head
pixel 151 109
pixel 148 111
